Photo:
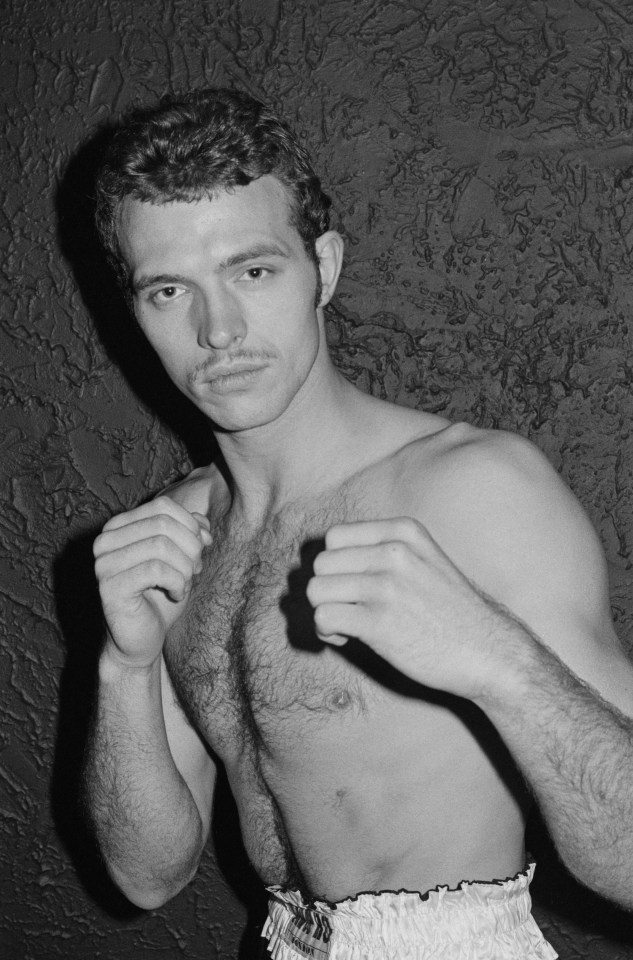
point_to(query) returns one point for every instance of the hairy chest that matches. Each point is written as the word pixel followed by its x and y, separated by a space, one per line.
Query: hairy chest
pixel 244 658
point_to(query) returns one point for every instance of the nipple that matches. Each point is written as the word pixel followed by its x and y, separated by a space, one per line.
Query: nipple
pixel 340 699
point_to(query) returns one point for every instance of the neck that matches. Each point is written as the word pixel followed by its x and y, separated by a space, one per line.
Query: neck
pixel 311 446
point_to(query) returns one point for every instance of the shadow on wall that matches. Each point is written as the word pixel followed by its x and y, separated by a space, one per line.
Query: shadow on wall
pixel 117 330
pixel 79 616
pixel 78 605
pixel 557 895
pixel 235 866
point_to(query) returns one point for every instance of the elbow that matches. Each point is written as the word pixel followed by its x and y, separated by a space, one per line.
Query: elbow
pixel 149 894
pixel 145 899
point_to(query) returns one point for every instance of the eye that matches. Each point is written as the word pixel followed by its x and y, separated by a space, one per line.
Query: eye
pixel 167 294
pixel 255 273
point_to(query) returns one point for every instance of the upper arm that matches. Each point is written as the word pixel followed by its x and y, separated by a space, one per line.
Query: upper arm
pixel 189 752
pixel 522 536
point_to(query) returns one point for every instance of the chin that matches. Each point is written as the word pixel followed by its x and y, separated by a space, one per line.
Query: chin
pixel 246 413
pixel 224 422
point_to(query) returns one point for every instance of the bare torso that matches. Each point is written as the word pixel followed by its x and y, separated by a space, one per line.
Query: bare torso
pixel 347 776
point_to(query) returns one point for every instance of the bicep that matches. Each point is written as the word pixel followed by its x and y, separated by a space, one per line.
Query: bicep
pixel 584 640
pixel 189 752
pixel 560 589
pixel 528 543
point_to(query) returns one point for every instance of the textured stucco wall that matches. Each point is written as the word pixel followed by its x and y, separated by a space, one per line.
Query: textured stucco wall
pixel 480 156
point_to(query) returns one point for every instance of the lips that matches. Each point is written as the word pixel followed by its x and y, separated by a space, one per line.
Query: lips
pixel 219 373
pixel 225 379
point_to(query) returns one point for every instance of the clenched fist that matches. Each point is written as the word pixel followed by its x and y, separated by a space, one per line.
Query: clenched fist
pixel 146 560
pixel 388 583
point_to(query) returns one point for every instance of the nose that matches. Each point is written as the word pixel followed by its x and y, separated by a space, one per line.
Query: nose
pixel 220 321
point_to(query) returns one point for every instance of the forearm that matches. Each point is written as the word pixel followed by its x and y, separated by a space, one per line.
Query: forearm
pixel 576 752
pixel 145 818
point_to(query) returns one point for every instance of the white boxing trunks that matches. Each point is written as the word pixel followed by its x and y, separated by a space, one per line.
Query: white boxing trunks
pixel 476 921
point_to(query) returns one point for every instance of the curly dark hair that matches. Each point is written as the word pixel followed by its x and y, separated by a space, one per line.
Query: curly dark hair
pixel 188 147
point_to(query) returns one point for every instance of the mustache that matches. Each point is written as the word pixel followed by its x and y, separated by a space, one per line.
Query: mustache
pixel 206 367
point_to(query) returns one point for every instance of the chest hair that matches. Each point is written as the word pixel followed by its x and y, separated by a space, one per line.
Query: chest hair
pixel 244 657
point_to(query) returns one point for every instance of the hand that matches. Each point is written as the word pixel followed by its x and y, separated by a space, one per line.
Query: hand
pixel 389 584
pixel 146 560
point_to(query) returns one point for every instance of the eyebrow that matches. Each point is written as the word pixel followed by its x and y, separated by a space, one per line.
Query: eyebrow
pixel 149 280
pixel 254 253
pixel 146 280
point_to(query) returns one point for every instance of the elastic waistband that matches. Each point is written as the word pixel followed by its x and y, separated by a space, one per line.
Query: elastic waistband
pixel 476 921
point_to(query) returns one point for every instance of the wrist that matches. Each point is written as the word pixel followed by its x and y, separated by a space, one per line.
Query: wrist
pixel 517 654
pixel 114 664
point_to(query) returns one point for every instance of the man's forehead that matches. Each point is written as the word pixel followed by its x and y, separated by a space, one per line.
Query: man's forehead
pixel 223 223
pixel 264 195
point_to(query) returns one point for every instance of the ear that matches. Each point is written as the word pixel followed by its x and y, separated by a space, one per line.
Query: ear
pixel 329 249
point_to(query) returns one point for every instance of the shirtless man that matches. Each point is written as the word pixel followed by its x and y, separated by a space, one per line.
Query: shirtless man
pixel 337 610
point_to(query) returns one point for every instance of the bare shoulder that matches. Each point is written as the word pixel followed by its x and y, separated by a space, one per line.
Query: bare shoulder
pixel 447 470
pixel 457 443
pixel 204 491
pixel 493 499
pixel 505 517
pixel 481 473
pixel 497 488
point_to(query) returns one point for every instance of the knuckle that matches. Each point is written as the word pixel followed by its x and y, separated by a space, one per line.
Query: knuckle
pixel 162 544
pixel 409 526
pixel 164 509
pixel 321 618
pixel 163 523
pixel 312 591
pixel 155 567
